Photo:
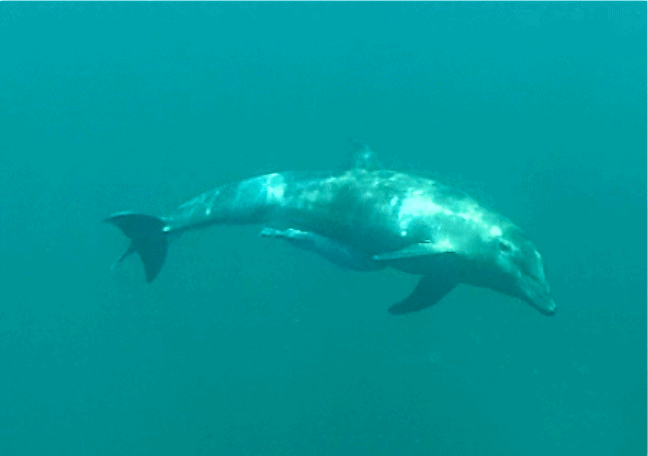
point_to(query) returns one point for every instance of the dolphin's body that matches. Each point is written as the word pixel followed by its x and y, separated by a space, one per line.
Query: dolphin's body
pixel 365 218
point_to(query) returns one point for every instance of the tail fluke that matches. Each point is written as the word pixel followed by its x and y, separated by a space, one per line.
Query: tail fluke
pixel 123 256
pixel 147 237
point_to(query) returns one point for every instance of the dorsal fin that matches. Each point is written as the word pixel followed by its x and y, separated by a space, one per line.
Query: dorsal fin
pixel 362 156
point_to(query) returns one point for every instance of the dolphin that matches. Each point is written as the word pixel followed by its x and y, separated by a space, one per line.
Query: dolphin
pixel 364 218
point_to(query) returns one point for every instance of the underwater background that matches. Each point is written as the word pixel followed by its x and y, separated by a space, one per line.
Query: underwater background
pixel 246 346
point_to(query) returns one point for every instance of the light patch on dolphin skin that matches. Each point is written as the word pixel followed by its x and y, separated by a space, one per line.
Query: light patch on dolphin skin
pixel 275 188
pixel 419 204
pixel 316 195
pixel 495 231
pixel 444 245
pixel 209 203
pixel 473 213
pixel 414 207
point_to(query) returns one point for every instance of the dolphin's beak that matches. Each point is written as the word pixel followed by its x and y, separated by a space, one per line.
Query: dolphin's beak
pixel 537 294
pixel 547 308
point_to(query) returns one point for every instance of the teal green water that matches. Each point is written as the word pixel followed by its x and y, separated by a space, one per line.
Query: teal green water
pixel 243 346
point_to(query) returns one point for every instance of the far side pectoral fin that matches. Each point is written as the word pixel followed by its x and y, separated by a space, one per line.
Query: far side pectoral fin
pixel 415 250
pixel 428 291
pixel 343 255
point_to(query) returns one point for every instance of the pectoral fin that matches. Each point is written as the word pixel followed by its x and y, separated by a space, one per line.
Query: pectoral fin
pixel 416 250
pixel 429 291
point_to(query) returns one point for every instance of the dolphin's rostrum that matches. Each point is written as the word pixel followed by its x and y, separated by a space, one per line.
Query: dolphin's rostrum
pixel 365 218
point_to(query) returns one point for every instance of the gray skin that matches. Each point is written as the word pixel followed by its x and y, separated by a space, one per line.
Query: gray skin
pixel 366 219
pixel 342 255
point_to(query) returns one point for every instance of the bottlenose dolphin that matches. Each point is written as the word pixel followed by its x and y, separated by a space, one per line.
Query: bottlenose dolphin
pixel 364 218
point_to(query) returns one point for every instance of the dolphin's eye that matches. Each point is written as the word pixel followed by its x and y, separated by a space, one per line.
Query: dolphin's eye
pixel 504 247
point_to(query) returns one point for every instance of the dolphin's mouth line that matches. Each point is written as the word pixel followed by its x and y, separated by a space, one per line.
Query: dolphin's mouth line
pixel 538 296
pixel 550 310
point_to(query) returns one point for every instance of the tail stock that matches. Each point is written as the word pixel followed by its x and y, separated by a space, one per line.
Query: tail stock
pixel 148 239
